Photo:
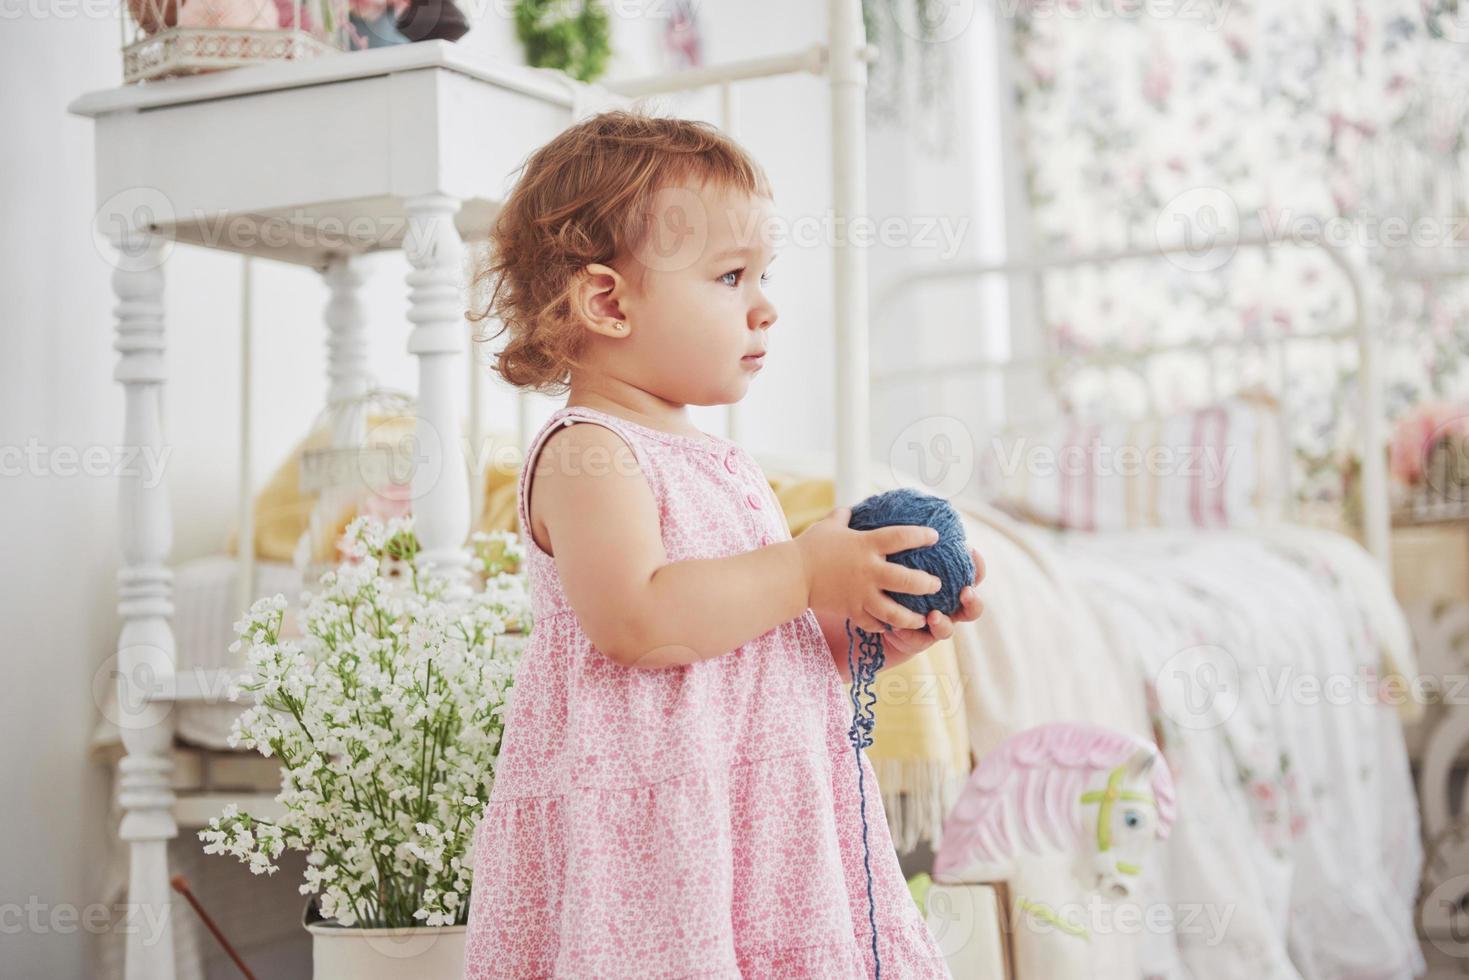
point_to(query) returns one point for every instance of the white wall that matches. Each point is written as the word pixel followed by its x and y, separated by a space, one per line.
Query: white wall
pixel 56 390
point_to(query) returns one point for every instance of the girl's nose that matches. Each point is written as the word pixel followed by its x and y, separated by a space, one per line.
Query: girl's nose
pixel 762 316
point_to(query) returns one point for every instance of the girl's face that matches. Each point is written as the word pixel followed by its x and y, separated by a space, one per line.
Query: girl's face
pixel 693 298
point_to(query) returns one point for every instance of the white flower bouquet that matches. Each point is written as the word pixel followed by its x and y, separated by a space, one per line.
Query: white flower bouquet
pixel 386 716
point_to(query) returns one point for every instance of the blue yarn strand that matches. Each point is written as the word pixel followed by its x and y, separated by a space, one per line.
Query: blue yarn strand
pixel 949 559
pixel 864 701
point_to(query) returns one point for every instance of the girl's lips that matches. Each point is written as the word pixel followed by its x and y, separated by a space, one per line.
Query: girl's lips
pixel 753 360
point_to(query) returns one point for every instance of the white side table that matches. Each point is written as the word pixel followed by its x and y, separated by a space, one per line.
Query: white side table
pixel 309 162
pixel 1431 579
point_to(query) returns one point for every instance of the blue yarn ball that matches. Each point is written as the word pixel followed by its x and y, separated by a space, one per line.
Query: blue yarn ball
pixel 948 558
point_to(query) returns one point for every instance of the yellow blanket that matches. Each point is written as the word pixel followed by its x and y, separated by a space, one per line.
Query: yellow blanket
pixel 920 749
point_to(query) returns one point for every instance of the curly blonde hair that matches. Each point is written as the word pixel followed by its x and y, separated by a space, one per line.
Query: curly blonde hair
pixel 585 197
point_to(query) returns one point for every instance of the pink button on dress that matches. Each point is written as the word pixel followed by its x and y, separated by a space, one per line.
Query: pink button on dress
pixel 700 820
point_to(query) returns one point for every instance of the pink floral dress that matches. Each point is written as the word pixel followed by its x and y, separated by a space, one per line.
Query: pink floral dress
pixel 691 821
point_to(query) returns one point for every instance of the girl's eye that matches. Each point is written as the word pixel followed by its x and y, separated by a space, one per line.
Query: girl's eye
pixel 738 274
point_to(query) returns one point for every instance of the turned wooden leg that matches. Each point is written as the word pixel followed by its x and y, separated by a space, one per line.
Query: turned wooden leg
pixel 145 648
pixel 436 310
pixel 346 322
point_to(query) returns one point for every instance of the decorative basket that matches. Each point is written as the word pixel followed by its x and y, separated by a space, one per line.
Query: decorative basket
pixel 165 38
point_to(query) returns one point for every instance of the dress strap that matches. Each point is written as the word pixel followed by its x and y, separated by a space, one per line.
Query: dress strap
pixel 563 417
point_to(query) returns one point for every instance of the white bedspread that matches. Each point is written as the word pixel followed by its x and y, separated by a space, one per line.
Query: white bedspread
pixel 1255 656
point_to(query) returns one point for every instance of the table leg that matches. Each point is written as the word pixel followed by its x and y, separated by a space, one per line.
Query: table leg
pixel 145 649
pixel 436 309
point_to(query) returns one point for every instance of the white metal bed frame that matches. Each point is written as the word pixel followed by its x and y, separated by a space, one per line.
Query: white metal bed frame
pixel 1359 332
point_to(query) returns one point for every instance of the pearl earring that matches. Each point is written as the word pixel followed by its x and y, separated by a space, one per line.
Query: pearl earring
pixel 619 325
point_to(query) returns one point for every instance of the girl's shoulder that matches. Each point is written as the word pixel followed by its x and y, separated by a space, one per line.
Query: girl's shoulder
pixel 582 449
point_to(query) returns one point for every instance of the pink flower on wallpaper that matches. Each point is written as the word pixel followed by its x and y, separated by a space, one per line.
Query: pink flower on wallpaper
pixel 1158 81
pixel 1264 792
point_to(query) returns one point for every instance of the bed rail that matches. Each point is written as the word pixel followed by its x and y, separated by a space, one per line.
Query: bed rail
pixel 1376 521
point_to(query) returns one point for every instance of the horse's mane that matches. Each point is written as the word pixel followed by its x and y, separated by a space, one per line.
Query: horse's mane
pixel 1023 796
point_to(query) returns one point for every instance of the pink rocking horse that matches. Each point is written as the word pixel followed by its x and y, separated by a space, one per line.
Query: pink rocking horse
pixel 1059 817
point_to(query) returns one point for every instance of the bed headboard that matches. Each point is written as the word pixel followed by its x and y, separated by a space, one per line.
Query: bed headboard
pixel 1114 382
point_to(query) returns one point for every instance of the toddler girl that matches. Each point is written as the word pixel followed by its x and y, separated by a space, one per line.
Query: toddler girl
pixel 675 795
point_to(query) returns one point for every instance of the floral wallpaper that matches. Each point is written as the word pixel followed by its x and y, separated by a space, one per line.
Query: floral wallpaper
pixel 1145 121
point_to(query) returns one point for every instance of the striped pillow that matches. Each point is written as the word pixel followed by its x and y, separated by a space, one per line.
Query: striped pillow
pixel 1217 466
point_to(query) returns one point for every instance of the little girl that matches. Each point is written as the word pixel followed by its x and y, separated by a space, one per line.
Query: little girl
pixel 675 794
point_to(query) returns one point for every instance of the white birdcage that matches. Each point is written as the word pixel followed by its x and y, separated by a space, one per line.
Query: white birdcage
pixel 162 38
pixel 358 460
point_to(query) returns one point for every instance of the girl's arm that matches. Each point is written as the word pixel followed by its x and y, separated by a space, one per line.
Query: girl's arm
pixel 639 609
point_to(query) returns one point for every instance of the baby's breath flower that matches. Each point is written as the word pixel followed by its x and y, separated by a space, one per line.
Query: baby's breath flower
pixel 388 678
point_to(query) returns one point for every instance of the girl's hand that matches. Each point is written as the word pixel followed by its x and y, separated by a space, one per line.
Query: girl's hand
pixel 847 573
pixel 901 645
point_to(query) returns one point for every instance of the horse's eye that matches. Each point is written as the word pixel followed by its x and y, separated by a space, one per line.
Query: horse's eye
pixel 1132 818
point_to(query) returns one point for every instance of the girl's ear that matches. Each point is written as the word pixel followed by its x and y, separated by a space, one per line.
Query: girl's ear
pixel 596 297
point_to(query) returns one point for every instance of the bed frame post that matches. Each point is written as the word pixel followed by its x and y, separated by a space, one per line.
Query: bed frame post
pixel 847 76
pixel 1376 515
